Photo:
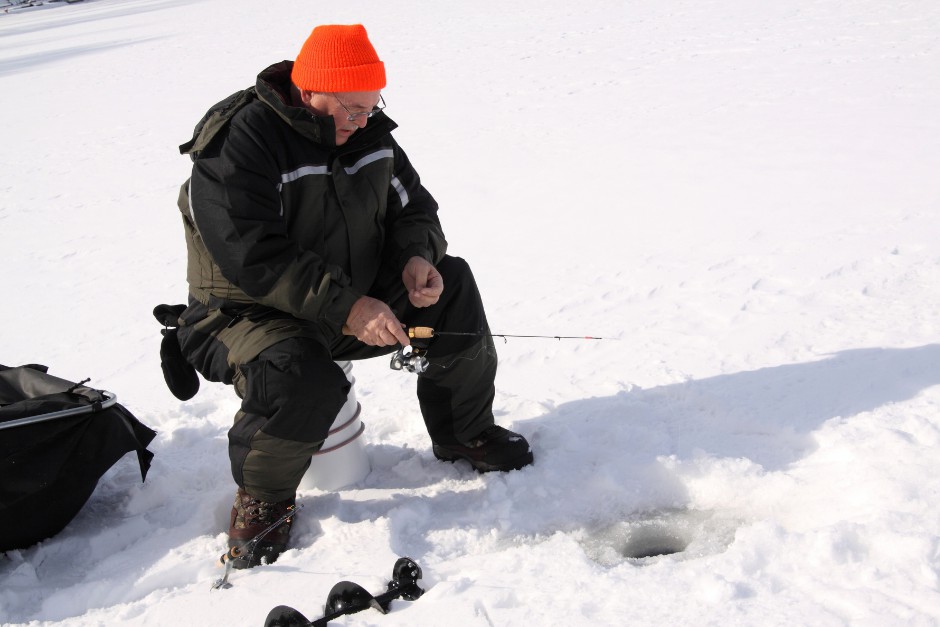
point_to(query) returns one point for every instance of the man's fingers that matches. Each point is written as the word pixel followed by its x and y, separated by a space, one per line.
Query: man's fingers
pixel 398 335
pixel 429 291
pixel 373 323
pixel 386 332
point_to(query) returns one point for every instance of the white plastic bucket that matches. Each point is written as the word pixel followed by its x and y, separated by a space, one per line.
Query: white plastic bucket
pixel 342 460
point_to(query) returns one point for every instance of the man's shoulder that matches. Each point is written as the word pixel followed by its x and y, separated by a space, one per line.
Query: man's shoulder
pixel 217 118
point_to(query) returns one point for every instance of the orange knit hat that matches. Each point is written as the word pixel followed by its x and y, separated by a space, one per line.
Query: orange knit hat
pixel 338 58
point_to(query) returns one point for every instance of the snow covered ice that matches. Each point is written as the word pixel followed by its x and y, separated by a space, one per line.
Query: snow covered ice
pixel 744 196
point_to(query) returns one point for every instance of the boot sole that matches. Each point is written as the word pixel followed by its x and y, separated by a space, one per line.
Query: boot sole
pixel 264 553
pixel 446 455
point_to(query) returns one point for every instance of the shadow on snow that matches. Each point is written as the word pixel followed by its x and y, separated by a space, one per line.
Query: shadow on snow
pixel 597 465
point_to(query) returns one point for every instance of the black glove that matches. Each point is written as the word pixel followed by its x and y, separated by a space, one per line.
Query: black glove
pixel 178 373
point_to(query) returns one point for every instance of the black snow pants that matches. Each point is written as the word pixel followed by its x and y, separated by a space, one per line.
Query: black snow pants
pixel 291 389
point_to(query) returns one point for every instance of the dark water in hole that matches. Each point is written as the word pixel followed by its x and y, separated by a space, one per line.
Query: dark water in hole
pixel 651 542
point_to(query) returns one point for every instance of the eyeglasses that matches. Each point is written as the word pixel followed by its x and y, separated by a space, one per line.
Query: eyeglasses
pixel 352 117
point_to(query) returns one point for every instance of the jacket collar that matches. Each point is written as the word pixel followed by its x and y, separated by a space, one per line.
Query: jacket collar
pixel 274 89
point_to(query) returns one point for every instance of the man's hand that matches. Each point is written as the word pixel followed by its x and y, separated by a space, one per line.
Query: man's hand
pixel 373 323
pixel 423 282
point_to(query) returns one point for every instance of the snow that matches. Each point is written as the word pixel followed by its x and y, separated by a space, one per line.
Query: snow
pixel 742 196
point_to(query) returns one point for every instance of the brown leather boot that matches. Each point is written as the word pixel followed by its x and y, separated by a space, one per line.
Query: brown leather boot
pixel 252 518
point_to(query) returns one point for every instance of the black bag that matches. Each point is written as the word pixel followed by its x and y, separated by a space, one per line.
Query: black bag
pixel 57 438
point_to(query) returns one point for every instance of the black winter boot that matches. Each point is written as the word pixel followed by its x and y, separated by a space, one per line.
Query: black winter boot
pixel 495 448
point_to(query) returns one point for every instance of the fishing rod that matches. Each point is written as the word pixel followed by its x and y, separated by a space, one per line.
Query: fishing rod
pixel 426 333
pixel 412 359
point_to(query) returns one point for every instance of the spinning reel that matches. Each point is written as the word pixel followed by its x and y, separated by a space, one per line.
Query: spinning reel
pixel 410 358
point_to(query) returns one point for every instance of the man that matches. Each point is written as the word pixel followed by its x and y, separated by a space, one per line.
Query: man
pixel 311 239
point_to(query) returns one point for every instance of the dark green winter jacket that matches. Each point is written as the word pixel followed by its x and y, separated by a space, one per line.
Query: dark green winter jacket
pixel 275 214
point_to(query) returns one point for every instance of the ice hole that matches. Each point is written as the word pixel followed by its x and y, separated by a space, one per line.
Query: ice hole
pixel 652 541
pixel 645 538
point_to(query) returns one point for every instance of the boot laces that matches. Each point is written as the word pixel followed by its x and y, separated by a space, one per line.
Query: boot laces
pixel 261 513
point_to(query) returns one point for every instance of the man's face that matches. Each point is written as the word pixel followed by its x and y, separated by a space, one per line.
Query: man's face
pixel 341 106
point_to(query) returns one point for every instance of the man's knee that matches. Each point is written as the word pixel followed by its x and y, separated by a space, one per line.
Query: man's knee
pixel 454 268
pixel 199 344
pixel 296 387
